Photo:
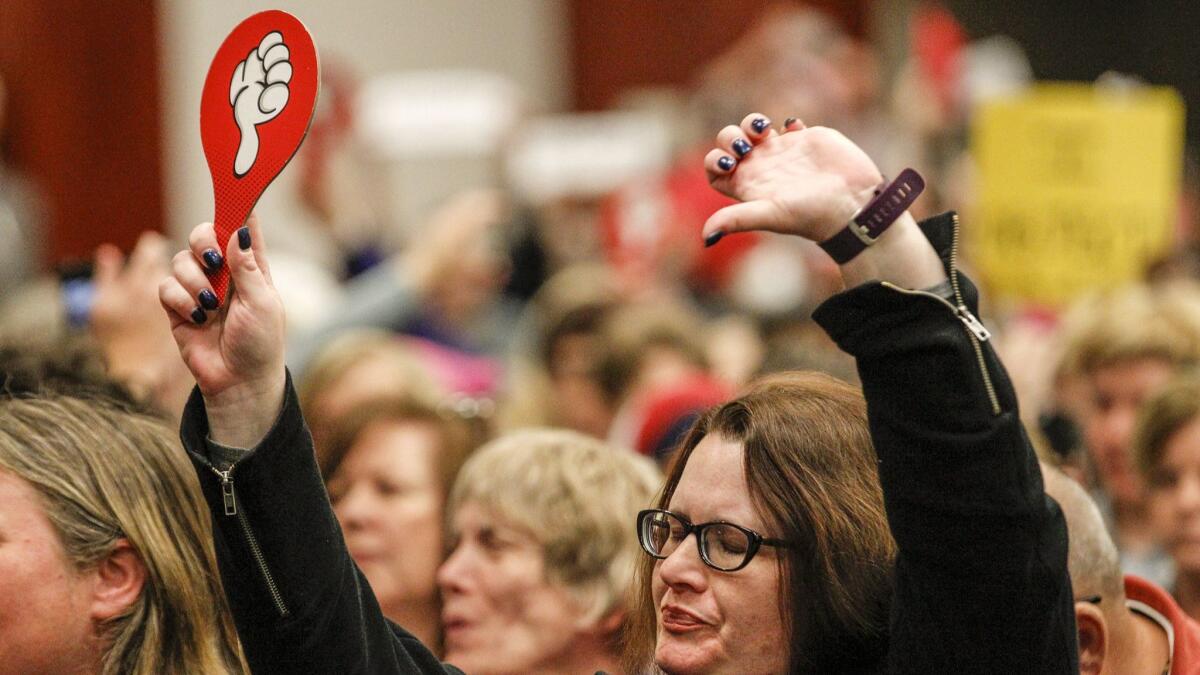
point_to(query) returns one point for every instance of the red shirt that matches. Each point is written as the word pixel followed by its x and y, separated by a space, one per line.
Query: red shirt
pixel 1186 657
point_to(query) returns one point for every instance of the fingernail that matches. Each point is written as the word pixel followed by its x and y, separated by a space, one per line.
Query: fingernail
pixel 244 238
pixel 713 238
pixel 208 299
pixel 760 124
pixel 789 122
pixel 212 259
pixel 741 147
pixel 198 316
pixel 726 163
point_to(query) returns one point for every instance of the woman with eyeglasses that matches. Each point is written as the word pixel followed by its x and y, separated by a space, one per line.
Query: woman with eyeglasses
pixel 773 510
pixel 768 550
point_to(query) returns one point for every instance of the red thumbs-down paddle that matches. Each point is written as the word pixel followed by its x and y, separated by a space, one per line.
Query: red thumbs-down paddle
pixel 257 103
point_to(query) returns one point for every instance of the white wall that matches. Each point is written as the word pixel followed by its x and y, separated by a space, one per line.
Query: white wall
pixel 522 39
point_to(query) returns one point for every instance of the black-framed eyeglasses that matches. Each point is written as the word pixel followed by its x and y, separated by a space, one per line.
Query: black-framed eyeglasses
pixel 723 546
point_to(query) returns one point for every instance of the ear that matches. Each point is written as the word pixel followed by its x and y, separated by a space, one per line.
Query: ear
pixel 1093 638
pixel 119 578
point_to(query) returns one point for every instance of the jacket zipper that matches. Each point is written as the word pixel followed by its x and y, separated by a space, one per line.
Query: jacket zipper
pixel 230 500
pixel 977 332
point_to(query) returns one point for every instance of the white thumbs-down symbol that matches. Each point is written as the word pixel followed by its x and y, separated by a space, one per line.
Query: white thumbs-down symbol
pixel 258 93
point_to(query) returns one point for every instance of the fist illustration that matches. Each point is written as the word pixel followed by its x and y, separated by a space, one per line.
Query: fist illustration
pixel 258 92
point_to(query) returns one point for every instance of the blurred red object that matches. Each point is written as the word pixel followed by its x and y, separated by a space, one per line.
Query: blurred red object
pixel 937 41
pixel 666 413
pixel 654 227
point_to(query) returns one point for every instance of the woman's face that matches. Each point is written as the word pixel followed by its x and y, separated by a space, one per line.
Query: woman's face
pixel 1174 497
pixel 45 622
pixel 388 500
pixel 711 621
pixel 499 613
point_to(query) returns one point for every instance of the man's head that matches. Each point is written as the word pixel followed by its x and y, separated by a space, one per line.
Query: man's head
pixel 1125 345
pixel 1096 581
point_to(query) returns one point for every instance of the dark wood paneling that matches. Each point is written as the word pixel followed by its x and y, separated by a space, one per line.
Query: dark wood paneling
pixel 617 45
pixel 84 123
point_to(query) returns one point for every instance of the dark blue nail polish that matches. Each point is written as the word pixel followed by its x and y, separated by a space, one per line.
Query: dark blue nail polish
pixel 208 299
pixel 713 238
pixel 198 316
pixel 212 259
pixel 726 163
pixel 760 124
pixel 244 238
pixel 789 122
pixel 741 147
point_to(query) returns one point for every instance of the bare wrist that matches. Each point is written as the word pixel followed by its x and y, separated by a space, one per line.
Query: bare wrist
pixel 241 416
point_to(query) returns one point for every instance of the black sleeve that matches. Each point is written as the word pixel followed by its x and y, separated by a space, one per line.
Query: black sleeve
pixel 299 602
pixel 981 576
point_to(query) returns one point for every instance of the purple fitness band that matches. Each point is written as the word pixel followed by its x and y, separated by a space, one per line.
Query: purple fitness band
pixel 875 218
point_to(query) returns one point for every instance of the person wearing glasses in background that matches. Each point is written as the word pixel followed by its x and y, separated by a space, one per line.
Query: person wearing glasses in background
pixel 978 582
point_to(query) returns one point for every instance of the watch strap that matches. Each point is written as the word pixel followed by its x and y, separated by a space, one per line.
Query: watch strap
pixel 875 218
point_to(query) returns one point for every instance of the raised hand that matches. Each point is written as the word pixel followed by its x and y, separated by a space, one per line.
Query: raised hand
pixel 804 181
pixel 128 324
pixel 235 352
pixel 258 92
pixel 810 182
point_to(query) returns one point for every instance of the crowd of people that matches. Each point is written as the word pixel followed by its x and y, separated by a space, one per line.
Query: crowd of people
pixel 538 436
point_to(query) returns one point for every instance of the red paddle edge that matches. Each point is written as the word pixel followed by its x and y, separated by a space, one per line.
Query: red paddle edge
pixel 225 227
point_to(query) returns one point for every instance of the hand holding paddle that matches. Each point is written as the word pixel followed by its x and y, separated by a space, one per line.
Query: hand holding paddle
pixel 255 110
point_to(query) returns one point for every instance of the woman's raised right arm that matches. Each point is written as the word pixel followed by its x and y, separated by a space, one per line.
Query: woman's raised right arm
pixel 299 602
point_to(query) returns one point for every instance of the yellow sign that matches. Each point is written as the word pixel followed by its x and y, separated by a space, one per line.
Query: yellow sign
pixel 1078 188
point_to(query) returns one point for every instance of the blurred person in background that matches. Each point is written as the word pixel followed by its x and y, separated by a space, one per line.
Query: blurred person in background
pixel 62 366
pixel 388 467
pixel 551 378
pixel 126 321
pixel 541 556
pixel 358 366
pixel 653 371
pixel 1123 346
pixel 445 287
pixel 1167 446
pixel 106 560
pixel 1126 624
pixel 20 217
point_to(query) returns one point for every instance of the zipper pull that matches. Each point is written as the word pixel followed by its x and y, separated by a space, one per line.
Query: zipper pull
pixel 973 324
pixel 227 493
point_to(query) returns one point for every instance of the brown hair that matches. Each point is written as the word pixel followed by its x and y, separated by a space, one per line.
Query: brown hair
pixel 811 474
pixel 1162 417
pixel 631 332
pixel 457 436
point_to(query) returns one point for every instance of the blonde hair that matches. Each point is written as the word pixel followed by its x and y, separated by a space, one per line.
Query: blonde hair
pixel 105 474
pixel 577 496
pixel 1132 322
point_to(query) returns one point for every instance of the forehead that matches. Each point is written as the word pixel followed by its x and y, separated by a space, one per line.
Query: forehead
pixel 713 485
pixel 1134 378
pixel 396 446
pixel 21 511
pixel 472 516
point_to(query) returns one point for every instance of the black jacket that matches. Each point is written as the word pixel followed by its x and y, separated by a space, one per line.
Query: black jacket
pixel 981 578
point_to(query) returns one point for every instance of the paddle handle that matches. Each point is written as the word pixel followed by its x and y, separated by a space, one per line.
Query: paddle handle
pixel 226 224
